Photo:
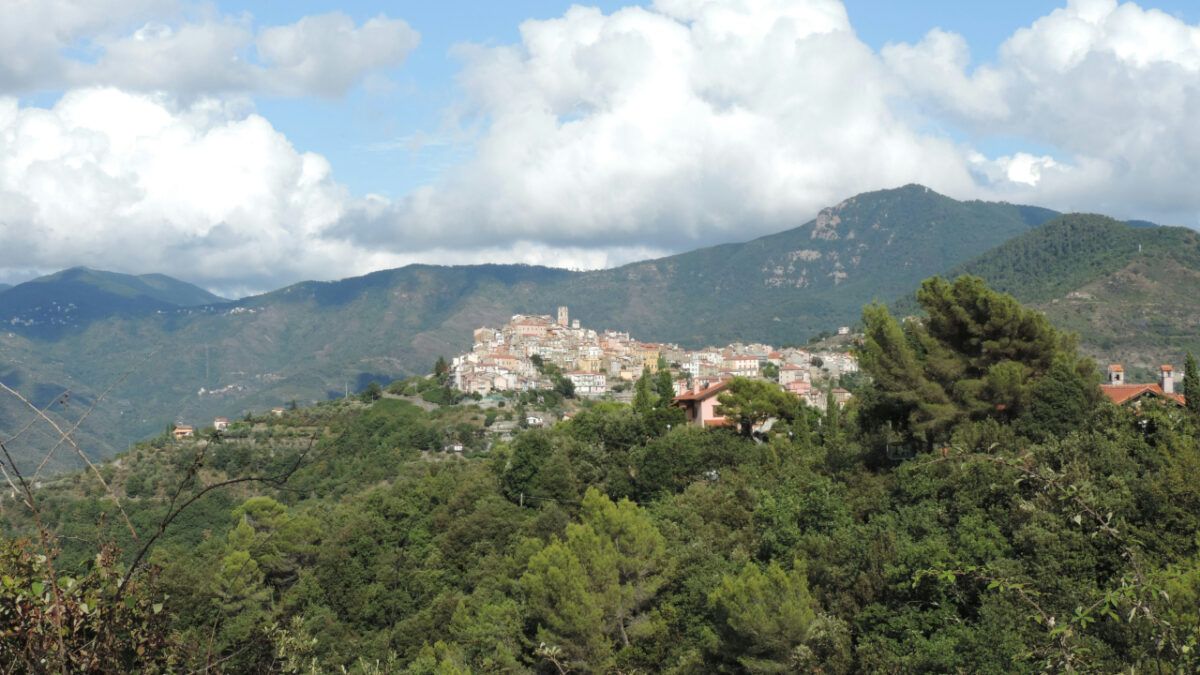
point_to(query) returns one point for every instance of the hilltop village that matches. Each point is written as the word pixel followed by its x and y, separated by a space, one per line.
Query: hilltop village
pixel 515 357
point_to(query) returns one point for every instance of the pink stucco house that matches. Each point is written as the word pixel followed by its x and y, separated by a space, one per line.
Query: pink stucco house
pixel 700 405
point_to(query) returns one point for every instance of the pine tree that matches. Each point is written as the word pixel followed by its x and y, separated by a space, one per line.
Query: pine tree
pixel 764 616
pixel 749 403
pixel 591 593
pixel 973 357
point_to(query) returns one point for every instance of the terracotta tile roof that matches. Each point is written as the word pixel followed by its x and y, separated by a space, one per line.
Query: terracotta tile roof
pixel 1120 393
pixel 702 394
pixel 1116 368
pixel 722 422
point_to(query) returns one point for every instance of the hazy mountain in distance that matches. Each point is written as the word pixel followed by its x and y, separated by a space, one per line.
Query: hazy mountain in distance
pixel 49 306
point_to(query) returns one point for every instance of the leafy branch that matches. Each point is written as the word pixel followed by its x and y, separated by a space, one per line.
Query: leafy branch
pixel 1137 589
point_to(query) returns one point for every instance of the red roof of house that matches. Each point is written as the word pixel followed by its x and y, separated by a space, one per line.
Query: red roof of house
pixel 702 394
pixel 1116 368
pixel 1120 393
pixel 722 422
pixel 1167 368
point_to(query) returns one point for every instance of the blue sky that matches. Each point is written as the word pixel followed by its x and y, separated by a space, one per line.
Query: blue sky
pixel 354 132
pixel 246 145
pixel 359 134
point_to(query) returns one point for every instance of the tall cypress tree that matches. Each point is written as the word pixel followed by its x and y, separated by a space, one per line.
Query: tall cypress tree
pixel 833 421
pixel 641 397
pixel 1191 383
pixel 664 383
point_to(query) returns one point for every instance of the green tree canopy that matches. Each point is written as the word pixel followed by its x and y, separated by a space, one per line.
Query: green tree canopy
pixel 751 402
pixel 974 356
pixel 589 593
pixel 764 618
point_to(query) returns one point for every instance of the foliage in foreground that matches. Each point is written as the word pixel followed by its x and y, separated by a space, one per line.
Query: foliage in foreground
pixel 1057 533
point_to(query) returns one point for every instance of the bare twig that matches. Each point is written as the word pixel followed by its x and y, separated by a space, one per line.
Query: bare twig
pixel 68 436
pixel 173 510
pixel 32 421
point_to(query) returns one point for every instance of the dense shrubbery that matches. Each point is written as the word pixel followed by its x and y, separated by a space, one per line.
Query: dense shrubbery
pixel 1036 528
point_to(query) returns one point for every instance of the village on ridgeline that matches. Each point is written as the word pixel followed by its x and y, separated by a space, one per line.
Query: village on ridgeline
pixel 522 355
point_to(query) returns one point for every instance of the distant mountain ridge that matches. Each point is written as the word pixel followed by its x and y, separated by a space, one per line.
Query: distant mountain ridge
pixel 785 286
pixel 1128 289
pixel 53 304
pixel 314 340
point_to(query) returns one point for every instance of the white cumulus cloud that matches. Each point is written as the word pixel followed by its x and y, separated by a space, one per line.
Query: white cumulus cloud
pixel 599 138
pixel 1113 88
pixel 682 124
pixel 169 46
pixel 136 183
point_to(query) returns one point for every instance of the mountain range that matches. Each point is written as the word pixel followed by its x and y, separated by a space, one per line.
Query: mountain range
pixel 174 353
pixel 51 305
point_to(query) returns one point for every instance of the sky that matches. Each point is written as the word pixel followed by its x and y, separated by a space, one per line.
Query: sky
pixel 244 146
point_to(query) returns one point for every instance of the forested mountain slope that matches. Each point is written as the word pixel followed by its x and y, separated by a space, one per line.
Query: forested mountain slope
pixel 980 508
pixel 314 340
pixel 1129 291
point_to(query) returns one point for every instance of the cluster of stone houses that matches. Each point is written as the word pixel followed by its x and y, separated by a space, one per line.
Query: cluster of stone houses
pixel 503 359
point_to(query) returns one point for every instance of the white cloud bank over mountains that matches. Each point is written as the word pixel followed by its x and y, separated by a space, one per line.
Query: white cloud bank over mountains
pixel 605 138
